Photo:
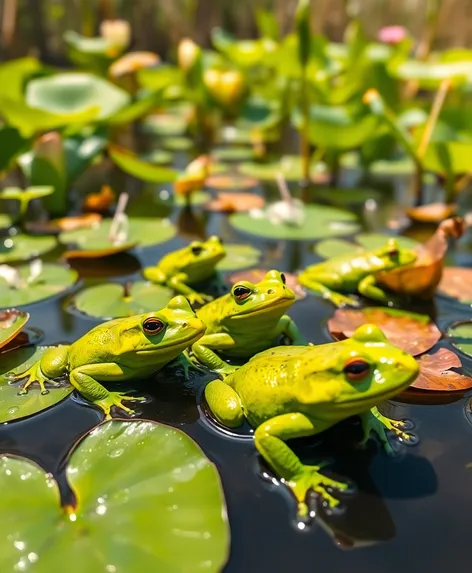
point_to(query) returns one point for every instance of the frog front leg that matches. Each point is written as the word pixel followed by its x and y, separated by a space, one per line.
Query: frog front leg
pixel 52 364
pixel 288 327
pixel 85 381
pixel 224 403
pixel 368 287
pixel 318 285
pixel 204 348
pixel 375 422
pixel 270 438
pixel 178 283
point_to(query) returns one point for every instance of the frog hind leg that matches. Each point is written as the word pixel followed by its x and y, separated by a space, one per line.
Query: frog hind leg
pixel 204 348
pixel 224 403
pixel 52 364
pixel 318 286
pixel 375 422
pixel 85 381
pixel 179 284
pixel 369 288
pixel 270 439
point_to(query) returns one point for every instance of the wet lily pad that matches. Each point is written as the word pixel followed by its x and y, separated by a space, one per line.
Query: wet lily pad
pixel 365 242
pixel 461 335
pixel 239 257
pixel 11 323
pixel 436 374
pixel 115 301
pixel 230 182
pixel 348 196
pixel 24 247
pixel 412 332
pixel 289 165
pixel 94 242
pixel 321 221
pixel 153 512
pixel 177 143
pixel 233 154
pixel 198 198
pixel 256 275
pixel 456 282
pixel 26 288
pixel 12 405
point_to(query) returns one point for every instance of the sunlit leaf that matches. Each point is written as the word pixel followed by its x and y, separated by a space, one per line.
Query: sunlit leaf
pixel 11 323
pixel 159 77
pixel 289 165
pixel 330 248
pixel 11 145
pixel 230 182
pixel 153 512
pixel 230 154
pixel 135 110
pixel 130 163
pixel 235 202
pixel 461 335
pixel 25 247
pixel 14 75
pixel 431 74
pixel 436 374
pixel 239 257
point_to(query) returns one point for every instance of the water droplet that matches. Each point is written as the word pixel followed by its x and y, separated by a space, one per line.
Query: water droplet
pixel 101 509
pixel 116 453
pixel 12 410
pixel 33 557
pixel 110 569
pixel 21 565
pixel 20 545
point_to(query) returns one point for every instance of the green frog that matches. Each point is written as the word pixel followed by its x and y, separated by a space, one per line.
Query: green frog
pixel 245 321
pixel 356 273
pixel 191 265
pixel 294 391
pixel 122 349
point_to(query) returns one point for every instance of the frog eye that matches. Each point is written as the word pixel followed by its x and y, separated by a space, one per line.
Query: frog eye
pixel 197 249
pixel 153 325
pixel 356 369
pixel 241 292
pixel 284 280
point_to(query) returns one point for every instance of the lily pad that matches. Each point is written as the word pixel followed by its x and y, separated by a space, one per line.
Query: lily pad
pixel 236 202
pixel 436 374
pixel 130 163
pixel 28 288
pixel 355 196
pixel 230 182
pixel 94 242
pixel 456 282
pixel 431 213
pixel 289 165
pixel 412 332
pixel 177 143
pixel 24 247
pixel 233 154
pixel 14 406
pixel 364 242
pixel 197 198
pixel 158 157
pixel 166 124
pixel 239 257
pixel 115 300
pixel 321 221
pixel 461 335
pixel 11 323
pixel 75 92
pixel 153 512
pixel 256 275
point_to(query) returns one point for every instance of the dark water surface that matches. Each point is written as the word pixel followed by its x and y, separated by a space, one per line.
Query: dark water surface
pixel 412 513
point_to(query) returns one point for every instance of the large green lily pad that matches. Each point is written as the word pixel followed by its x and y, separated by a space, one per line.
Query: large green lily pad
pixel 24 247
pixel 239 257
pixel 115 301
pixel 320 222
pixel 147 499
pixel 235 153
pixel 51 280
pixel 141 231
pixel 346 196
pixel 363 242
pixel 11 323
pixel 75 92
pixel 461 335
pixel 14 406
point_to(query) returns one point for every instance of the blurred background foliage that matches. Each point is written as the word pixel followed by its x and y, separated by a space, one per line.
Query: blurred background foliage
pixel 36 27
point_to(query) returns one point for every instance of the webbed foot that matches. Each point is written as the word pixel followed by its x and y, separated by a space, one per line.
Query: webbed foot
pixel 117 399
pixel 187 363
pixel 198 298
pixel 375 422
pixel 34 375
pixel 342 301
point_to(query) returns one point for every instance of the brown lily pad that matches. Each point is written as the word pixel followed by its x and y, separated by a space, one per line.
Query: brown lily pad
pixel 456 282
pixel 422 278
pixel 11 323
pixel 436 374
pixel 432 213
pixel 414 333
pixel 80 222
pixel 99 202
pixel 235 202
pixel 231 182
pixel 256 275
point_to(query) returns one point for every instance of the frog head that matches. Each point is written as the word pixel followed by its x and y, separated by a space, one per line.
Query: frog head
pixel 201 254
pixel 268 298
pixel 166 332
pixel 392 256
pixel 351 376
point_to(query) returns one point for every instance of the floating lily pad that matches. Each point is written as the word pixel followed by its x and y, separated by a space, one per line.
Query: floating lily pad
pixel 289 165
pixel 14 406
pixel 365 242
pixel 11 323
pixel 355 196
pixel 158 157
pixel 412 332
pixel 321 221
pixel 230 182
pixel 24 247
pixel 51 280
pixel 436 374
pixel 431 213
pixel 233 154
pixel 166 124
pixel 130 163
pixel 256 275
pixel 115 301
pixel 197 198
pixel 461 335
pixel 177 143
pixel 456 282
pixel 330 248
pixel 239 257
pixel 236 202
pixel 94 242
pixel 153 512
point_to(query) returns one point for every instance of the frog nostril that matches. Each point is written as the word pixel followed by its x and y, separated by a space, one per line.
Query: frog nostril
pixel 271 291
pixel 184 324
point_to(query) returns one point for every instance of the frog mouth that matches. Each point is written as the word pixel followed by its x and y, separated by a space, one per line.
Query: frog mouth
pixel 182 342
pixel 285 302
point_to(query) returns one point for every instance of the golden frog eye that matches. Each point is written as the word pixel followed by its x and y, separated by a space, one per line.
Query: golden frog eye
pixel 153 325
pixel 241 292
pixel 356 369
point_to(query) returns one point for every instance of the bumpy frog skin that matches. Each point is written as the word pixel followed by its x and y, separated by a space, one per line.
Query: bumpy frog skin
pixel 294 391
pixel 118 350
pixel 190 265
pixel 246 321
pixel 355 273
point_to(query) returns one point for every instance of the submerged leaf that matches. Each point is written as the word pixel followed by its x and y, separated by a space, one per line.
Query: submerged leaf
pixel 436 374
pixel 414 333
pixel 11 323
pixel 153 512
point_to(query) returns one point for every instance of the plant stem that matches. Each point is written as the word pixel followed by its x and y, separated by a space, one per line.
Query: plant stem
pixel 438 102
pixel 304 139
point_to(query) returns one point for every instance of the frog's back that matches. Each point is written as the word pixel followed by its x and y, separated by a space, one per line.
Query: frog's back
pixel 101 344
pixel 351 268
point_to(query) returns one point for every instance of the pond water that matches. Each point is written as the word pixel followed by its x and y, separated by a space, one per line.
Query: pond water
pixel 411 512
